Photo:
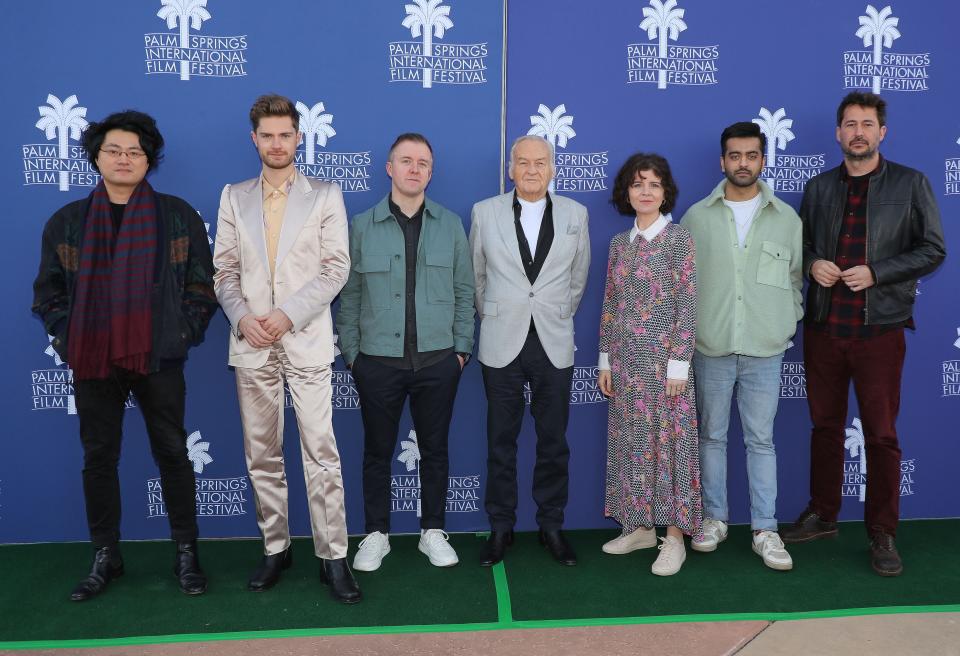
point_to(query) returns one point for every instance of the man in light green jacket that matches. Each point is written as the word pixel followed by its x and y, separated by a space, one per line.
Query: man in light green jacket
pixel 406 329
pixel 749 257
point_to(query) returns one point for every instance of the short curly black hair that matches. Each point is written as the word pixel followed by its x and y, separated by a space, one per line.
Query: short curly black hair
pixel 628 174
pixel 129 120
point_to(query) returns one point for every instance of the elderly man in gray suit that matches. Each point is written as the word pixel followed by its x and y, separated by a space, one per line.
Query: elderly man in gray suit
pixel 531 254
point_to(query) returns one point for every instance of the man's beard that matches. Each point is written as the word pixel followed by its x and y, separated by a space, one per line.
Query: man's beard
pixel 858 157
pixel 749 182
pixel 284 163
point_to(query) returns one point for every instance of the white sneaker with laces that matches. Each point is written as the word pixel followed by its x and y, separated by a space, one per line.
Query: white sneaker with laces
pixel 672 555
pixel 714 532
pixel 642 538
pixel 434 542
pixel 770 547
pixel 371 552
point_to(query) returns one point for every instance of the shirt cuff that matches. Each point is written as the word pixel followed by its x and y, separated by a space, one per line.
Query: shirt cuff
pixel 678 369
pixel 603 363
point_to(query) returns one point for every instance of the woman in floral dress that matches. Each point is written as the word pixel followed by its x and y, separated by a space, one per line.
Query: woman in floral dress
pixel 647 333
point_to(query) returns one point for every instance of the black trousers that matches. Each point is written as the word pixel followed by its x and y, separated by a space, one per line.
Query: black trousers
pixel 382 390
pixel 161 397
pixel 550 407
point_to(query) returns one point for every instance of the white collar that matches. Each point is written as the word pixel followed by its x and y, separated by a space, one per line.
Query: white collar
pixel 651 230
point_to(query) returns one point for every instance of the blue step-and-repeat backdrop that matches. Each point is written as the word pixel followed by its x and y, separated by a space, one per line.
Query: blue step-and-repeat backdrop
pixel 598 79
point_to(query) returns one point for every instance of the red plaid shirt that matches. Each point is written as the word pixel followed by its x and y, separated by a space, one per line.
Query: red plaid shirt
pixel 848 308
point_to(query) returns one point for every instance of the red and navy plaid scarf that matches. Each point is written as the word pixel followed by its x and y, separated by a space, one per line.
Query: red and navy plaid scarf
pixel 110 319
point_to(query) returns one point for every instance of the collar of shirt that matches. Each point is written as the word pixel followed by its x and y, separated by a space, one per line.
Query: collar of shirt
pixel 517 208
pixel 284 187
pixel 651 230
pixel 398 213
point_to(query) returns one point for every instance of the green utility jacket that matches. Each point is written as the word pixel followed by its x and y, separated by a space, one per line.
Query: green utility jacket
pixel 372 304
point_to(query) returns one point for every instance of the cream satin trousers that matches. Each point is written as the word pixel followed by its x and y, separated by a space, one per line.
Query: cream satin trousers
pixel 261 397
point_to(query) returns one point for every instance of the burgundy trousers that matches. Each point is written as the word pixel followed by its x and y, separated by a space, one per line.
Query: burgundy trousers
pixel 875 366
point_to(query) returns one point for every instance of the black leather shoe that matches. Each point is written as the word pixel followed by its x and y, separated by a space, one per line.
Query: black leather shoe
pixel 343 587
pixel 107 565
pixel 884 557
pixel 186 568
pixel 808 527
pixel 558 547
pixel 495 547
pixel 268 571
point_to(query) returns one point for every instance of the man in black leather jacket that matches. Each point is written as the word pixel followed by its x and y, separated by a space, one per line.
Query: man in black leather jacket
pixel 871 228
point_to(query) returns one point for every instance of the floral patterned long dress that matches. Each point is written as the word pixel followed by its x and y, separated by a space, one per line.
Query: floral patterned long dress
pixel 649 317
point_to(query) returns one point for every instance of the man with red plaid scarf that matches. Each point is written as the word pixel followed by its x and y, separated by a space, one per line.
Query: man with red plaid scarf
pixel 125 287
pixel 870 229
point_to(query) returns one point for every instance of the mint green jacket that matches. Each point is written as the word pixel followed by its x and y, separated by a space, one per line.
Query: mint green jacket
pixel 372 304
pixel 748 299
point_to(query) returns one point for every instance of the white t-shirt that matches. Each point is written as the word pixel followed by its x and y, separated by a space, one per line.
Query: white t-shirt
pixel 743 213
pixel 531 216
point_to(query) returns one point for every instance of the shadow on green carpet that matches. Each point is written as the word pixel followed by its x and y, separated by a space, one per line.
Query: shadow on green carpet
pixel 828 574
pixel 146 601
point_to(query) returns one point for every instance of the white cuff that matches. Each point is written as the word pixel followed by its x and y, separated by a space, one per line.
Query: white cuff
pixel 678 369
pixel 603 363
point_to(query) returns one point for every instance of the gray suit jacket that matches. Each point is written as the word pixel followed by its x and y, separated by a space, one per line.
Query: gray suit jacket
pixel 505 298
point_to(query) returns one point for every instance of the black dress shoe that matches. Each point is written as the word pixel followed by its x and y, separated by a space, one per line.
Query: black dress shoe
pixel 884 557
pixel 343 587
pixel 268 572
pixel 493 549
pixel 186 568
pixel 808 527
pixel 107 565
pixel 558 547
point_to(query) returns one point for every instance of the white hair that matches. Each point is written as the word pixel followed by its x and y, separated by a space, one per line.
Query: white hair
pixel 536 139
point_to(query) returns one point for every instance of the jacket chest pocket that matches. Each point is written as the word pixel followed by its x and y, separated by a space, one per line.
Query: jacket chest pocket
pixel 439 272
pixel 375 276
pixel 774 267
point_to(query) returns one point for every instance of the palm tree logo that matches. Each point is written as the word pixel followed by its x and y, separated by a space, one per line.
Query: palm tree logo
pixel 664 20
pixel 185 14
pixel 410 457
pixel 57 360
pixel 856 446
pixel 197 452
pixel 63 120
pixel 428 18
pixel 553 126
pixel 776 127
pixel 956 343
pixel 878 29
pixel 316 128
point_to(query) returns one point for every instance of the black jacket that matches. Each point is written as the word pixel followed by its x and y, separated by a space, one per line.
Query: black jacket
pixel 904 238
pixel 183 300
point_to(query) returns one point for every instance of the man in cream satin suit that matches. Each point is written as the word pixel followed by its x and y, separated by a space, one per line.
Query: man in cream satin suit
pixel 282 257
pixel 531 254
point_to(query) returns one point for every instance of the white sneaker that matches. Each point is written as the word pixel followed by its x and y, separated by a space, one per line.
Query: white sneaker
pixel 672 555
pixel 770 547
pixel 642 538
pixel 434 543
pixel 714 532
pixel 371 552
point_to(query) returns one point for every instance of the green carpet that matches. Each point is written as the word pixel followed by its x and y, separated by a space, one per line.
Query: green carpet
pixel 830 577
pixel 827 575
pixel 146 601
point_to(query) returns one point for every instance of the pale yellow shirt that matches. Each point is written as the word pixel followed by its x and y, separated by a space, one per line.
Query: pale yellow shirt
pixel 274 205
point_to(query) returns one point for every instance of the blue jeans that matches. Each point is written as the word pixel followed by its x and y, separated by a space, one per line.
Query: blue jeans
pixel 757 383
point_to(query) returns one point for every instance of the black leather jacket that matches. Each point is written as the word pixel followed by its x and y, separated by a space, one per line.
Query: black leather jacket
pixel 904 238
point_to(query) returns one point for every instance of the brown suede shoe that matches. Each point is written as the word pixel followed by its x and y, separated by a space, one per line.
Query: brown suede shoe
pixel 808 527
pixel 884 557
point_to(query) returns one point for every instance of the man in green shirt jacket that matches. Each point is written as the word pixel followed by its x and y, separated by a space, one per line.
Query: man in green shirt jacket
pixel 406 329
pixel 749 256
